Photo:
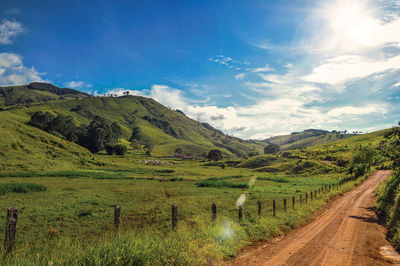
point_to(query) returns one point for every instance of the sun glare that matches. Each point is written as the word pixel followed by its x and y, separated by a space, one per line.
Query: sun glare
pixel 351 22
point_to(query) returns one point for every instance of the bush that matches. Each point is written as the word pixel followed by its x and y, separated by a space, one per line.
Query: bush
pixel 214 155
pixel 271 148
pixel 117 149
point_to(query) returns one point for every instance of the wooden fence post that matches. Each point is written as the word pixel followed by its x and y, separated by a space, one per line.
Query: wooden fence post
pixel 273 207
pixel 284 204
pixel 240 213
pixel 214 212
pixel 315 194
pixel 311 195
pixel 11 228
pixel 174 216
pixel 306 197
pixel 117 216
pixel 293 201
pixel 259 208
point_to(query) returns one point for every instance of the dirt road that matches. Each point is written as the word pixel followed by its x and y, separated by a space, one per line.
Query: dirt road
pixel 346 233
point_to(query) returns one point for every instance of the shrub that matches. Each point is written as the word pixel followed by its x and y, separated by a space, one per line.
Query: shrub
pixel 271 148
pixel 117 149
pixel 214 155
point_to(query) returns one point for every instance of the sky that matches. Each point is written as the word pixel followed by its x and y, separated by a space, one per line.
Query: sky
pixel 253 69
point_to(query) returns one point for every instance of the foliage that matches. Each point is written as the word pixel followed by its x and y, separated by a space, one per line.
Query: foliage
pixel 94 137
pixel 389 207
pixel 214 155
pixel 362 161
pixel 393 145
pixel 271 148
pixel 118 149
pixel 148 147
pixel 253 153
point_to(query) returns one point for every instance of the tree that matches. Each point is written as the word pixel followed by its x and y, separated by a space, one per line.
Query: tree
pixel 148 147
pixel 214 155
pixel 65 126
pixel 98 133
pixel 392 144
pixel 179 151
pixel 117 149
pixel 41 120
pixel 271 148
pixel 136 134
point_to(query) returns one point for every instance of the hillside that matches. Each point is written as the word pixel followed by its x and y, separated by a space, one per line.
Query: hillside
pixel 306 138
pixel 167 129
pixel 36 92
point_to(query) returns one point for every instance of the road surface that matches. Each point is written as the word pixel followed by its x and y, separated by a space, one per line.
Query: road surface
pixel 347 232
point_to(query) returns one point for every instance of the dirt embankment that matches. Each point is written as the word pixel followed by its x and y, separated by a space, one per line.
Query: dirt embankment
pixel 346 233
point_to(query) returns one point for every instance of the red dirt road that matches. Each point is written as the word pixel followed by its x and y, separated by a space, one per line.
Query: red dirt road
pixel 347 232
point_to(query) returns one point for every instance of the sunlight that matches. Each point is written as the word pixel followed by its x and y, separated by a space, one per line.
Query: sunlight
pixel 352 22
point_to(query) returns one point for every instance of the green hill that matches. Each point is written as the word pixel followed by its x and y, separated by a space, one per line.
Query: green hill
pixel 167 129
pixel 306 138
pixel 36 92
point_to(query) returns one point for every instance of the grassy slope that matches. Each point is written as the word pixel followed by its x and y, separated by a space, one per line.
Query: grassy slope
pixel 26 148
pixel 128 111
pixel 35 92
pixel 306 139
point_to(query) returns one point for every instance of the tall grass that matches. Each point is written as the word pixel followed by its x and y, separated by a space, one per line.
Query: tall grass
pixel 221 183
pixel 389 207
pixel 20 188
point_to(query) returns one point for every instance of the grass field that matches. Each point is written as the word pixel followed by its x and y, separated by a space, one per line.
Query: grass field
pixel 79 204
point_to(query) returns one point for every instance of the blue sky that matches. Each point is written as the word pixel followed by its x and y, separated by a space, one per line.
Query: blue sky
pixel 251 68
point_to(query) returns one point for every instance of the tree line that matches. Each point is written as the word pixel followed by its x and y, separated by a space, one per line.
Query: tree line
pixel 99 134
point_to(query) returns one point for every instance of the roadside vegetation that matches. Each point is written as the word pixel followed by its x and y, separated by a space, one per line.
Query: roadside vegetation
pixel 389 191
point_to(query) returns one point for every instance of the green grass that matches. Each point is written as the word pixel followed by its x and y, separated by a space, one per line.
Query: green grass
pixel 221 184
pixel 389 207
pixel 20 188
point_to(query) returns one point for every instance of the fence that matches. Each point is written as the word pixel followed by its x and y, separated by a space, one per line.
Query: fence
pixel 12 213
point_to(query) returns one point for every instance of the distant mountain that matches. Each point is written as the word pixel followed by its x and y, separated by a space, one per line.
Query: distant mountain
pixel 36 92
pixel 307 138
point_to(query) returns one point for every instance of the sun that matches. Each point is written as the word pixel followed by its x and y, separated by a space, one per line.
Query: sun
pixel 351 22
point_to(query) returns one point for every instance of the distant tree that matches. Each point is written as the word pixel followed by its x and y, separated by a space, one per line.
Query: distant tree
pixel 41 120
pixel 65 126
pixel 179 151
pixel 214 155
pixel 98 133
pixel 109 149
pixel 136 133
pixel 148 147
pixel 253 153
pixel 120 149
pixel 271 148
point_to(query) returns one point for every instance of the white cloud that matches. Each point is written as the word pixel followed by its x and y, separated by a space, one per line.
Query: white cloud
pixel 351 110
pixel 9 30
pixel 240 76
pixel 266 68
pixel 344 68
pixel 13 72
pixel 78 85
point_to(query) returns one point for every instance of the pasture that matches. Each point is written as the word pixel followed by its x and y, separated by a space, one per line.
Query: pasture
pixel 79 205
